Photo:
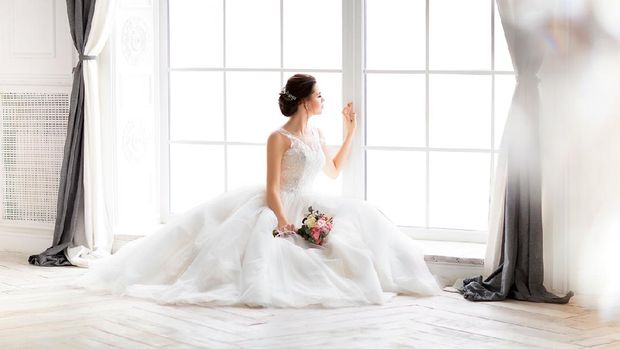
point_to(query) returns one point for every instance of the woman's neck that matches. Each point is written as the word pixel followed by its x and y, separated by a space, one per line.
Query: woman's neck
pixel 297 124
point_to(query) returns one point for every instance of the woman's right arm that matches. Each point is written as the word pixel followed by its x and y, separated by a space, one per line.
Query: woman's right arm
pixel 276 146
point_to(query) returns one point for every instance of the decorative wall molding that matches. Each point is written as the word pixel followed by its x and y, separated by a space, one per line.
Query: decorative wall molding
pixel 135 40
pixel 33 29
pixel 136 4
pixel 35 43
pixel 36 54
pixel 15 80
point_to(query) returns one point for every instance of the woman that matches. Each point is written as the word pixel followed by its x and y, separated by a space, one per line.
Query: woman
pixel 223 251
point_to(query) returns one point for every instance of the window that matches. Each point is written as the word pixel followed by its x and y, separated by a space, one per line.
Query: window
pixel 432 82
pixel 224 87
pixel 435 106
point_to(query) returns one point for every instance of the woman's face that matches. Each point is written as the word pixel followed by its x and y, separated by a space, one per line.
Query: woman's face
pixel 314 104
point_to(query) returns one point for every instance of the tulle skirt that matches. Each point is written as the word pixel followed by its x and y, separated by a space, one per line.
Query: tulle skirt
pixel 223 253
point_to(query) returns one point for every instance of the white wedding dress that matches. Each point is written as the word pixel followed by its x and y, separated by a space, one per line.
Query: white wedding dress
pixel 223 252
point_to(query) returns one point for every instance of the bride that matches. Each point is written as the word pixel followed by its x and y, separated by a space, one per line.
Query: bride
pixel 223 251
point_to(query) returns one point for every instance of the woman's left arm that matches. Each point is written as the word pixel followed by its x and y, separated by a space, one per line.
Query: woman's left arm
pixel 333 166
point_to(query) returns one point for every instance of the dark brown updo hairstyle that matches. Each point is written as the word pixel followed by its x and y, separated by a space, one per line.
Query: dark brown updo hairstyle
pixel 298 87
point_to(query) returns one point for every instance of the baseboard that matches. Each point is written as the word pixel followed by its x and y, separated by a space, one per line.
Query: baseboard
pixel 35 239
pixel 26 239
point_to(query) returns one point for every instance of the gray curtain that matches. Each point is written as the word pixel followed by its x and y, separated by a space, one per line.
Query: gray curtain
pixel 520 273
pixel 70 207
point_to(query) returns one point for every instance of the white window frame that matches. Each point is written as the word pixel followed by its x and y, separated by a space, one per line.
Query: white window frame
pixel 353 84
pixel 164 95
pixel 435 233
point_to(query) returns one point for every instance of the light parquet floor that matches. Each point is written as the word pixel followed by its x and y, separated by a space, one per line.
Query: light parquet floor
pixel 39 310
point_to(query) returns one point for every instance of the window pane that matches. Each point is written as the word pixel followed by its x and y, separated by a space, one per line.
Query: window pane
pixel 247 165
pixel 253 33
pixel 460 111
pixel 191 19
pixel 196 106
pixel 459 190
pixel 502 56
pixel 460 34
pixel 196 174
pixel 330 121
pixel 396 107
pixel 395 34
pixel 313 46
pixel 252 105
pixel 504 89
pixel 396 185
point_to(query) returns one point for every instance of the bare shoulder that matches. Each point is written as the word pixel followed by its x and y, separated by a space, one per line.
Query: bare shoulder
pixel 277 141
pixel 276 138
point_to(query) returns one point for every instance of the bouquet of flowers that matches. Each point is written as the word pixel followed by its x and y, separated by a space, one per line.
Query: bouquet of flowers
pixel 315 227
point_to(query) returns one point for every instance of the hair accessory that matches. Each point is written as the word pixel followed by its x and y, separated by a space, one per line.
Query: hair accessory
pixel 287 95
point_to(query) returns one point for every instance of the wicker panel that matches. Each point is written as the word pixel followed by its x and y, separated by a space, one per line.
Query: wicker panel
pixel 32 137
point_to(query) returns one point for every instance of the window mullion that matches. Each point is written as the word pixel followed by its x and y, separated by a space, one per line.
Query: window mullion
pixel 164 103
pixel 225 96
pixel 352 85
pixel 427 118
pixel 492 162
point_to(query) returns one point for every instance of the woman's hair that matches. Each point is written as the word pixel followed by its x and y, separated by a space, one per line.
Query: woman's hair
pixel 298 87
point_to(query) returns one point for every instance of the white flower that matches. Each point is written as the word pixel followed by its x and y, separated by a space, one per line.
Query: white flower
pixel 311 221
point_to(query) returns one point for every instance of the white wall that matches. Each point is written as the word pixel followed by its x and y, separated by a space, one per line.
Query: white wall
pixel 36 55
pixel 35 43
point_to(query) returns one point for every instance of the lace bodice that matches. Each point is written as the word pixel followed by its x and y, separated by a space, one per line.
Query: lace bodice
pixel 302 162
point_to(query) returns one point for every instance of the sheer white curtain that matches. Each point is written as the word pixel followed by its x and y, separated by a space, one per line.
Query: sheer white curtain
pixel 98 233
pixel 581 155
pixel 580 147
pixel 521 21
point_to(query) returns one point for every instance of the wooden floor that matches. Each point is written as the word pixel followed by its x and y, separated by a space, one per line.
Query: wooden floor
pixel 38 310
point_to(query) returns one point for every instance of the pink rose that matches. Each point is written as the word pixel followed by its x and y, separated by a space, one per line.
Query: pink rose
pixel 315 233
